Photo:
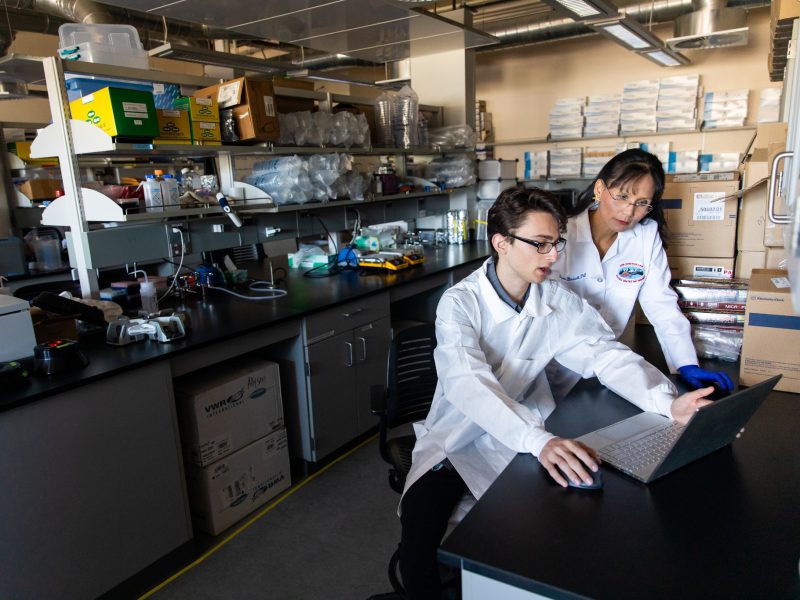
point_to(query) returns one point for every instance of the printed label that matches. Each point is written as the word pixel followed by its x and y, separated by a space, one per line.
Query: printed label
pixel 134 107
pixel 710 271
pixel 171 113
pixel 135 115
pixel 228 94
pixel 204 101
pixel 781 282
pixel 207 125
pixel 708 206
pixel 269 106
pixel 158 88
pixel 87 99
pixel 631 272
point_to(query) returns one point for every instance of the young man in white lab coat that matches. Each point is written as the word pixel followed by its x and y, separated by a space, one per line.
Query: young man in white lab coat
pixel 496 330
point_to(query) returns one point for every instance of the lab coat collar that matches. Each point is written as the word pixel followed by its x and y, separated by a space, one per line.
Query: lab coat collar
pixel 500 311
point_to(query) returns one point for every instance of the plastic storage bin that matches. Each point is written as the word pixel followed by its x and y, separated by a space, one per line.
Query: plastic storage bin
pixel 107 44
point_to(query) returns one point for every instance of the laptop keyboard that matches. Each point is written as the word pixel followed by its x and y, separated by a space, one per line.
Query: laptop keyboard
pixel 643 451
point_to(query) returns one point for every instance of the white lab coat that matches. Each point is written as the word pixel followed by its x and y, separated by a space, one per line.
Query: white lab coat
pixel 492 396
pixel 635 266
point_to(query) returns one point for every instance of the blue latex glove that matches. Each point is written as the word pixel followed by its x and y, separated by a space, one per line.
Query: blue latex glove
pixel 697 377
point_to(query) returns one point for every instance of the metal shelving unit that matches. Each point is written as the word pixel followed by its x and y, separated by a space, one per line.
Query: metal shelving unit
pixel 78 145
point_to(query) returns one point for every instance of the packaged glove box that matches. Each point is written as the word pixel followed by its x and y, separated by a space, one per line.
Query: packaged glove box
pixel 119 112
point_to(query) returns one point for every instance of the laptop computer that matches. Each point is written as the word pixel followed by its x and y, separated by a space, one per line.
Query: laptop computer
pixel 648 445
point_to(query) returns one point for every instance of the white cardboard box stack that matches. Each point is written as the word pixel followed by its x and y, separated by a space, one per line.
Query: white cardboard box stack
pixel 725 109
pixel 234 441
pixel 566 118
pixel 677 103
pixel 638 108
pixel 602 115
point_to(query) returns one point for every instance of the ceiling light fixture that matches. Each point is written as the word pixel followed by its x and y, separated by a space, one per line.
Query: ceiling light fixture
pixel 582 9
pixel 628 32
pixel 666 57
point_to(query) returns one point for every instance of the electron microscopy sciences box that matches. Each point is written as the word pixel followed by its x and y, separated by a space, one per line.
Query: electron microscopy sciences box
pixel 223 410
pixel 228 490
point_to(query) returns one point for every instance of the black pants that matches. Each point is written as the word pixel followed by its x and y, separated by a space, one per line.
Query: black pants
pixel 425 511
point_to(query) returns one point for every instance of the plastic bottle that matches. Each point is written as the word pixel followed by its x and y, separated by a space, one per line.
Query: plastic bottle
pixel 153 198
pixel 187 182
pixel 169 192
pixel 147 293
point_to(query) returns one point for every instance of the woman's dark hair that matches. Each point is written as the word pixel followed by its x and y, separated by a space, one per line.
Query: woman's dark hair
pixel 513 205
pixel 626 167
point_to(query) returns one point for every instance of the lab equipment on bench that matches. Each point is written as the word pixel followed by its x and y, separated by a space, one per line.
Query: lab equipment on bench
pixel 124 331
pixel 391 261
pixel 16 328
pixel 58 356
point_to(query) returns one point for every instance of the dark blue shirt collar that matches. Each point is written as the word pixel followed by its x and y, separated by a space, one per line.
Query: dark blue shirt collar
pixel 491 274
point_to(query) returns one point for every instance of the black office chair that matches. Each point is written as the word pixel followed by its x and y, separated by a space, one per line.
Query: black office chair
pixel 410 384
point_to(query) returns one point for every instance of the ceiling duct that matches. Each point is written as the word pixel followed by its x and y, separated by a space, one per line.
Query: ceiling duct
pixel 711 25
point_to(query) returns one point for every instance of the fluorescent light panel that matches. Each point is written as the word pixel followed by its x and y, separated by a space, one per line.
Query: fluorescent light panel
pixel 666 58
pixel 583 9
pixel 626 36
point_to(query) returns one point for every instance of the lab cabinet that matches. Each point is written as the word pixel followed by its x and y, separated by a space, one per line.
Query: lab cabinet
pixel 346 352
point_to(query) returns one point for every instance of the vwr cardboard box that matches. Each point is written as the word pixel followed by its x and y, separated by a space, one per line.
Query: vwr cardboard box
pixel 230 489
pixel 222 411
pixel 253 105
pixel 771 332
pixel 701 217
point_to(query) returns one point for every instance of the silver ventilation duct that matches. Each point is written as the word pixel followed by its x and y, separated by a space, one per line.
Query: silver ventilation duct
pixel 711 25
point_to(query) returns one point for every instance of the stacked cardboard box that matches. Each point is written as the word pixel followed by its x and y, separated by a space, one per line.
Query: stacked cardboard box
pixel 595 159
pixel 536 165
pixel 639 105
pixel 252 105
pixel 566 118
pixel 757 238
pixel 771 332
pixel 565 162
pixel 204 119
pixel 602 115
pixel 677 103
pixel 234 441
pixel 725 109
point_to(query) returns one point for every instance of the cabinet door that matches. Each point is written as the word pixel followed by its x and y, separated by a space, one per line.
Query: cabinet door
pixel 372 353
pixel 331 384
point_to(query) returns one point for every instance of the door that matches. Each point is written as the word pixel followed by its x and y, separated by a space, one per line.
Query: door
pixel 331 383
pixel 372 353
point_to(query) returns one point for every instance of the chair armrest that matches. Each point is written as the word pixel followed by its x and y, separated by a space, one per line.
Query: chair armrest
pixel 377 397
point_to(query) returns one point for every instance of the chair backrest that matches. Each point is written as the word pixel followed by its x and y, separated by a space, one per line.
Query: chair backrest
pixel 411 376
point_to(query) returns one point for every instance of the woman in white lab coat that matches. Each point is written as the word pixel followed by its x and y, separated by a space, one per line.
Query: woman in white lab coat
pixel 496 331
pixel 615 255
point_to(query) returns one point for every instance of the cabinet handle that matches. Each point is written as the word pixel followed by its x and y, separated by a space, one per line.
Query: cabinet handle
pixel 353 313
pixel 349 354
pixel 773 190
pixel 363 348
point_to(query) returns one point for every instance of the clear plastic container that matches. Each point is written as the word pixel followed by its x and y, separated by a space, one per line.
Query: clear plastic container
pixel 153 198
pixel 107 44
pixel 170 192
pixel 147 293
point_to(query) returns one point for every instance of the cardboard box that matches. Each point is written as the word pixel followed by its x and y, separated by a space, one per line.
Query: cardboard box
pixel 225 409
pixel 40 189
pixel 173 124
pixel 699 222
pixel 752 219
pixel 118 112
pixel 683 267
pixel 771 343
pixel 230 489
pixel 167 142
pixel 289 104
pixel 203 131
pixel 775 258
pixel 747 261
pixel 766 135
pixel 253 106
pixel 200 108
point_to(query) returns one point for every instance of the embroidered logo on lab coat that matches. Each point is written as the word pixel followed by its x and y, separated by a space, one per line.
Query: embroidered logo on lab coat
pixel 631 272
pixel 572 277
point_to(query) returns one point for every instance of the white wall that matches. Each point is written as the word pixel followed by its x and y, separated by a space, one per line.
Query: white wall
pixel 520 85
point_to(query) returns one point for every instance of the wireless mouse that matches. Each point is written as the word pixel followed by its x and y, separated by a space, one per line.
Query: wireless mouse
pixel 597 481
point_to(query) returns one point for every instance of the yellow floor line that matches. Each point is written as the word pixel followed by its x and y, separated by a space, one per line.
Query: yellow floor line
pixel 260 514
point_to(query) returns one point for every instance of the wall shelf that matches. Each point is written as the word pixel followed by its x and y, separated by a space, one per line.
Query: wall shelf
pixel 626 136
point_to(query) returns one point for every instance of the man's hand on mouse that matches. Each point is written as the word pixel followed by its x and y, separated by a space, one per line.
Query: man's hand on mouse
pixel 574 458
pixel 685 405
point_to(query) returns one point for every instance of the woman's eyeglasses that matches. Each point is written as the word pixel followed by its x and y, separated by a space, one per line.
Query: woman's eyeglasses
pixel 543 247
pixel 643 206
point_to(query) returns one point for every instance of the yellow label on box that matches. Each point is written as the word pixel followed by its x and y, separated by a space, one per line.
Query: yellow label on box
pixel 200 109
pixel 170 142
pixel 206 132
pixel 173 124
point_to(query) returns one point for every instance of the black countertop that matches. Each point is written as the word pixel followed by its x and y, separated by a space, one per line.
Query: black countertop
pixel 725 526
pixel 222 317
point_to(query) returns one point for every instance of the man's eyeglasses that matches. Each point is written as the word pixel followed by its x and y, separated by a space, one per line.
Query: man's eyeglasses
pixel 543 247
pixel 640 205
